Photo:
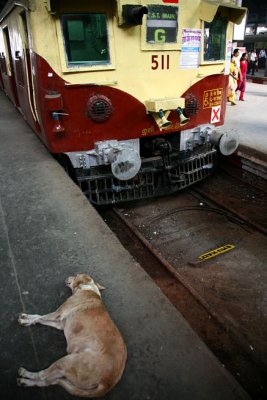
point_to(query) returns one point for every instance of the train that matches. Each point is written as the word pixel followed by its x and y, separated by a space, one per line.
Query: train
pixel 129 95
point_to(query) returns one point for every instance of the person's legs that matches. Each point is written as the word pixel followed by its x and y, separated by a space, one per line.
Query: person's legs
pixel 249 67
pixel 231 98
pixel 253 67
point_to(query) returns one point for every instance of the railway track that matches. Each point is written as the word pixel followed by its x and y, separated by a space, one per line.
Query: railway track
pixel 223 296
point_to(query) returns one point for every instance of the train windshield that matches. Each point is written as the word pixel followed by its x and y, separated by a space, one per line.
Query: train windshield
pixel 215 39
pixel 85 39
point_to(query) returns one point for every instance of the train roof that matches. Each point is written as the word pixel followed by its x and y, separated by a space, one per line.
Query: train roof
pixel 10 5
pixel 207 11
pixel 209 8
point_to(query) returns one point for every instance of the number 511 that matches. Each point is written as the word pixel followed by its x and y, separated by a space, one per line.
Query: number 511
pixel 160 62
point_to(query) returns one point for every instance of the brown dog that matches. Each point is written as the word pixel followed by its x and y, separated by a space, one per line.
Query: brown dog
pixel 96 350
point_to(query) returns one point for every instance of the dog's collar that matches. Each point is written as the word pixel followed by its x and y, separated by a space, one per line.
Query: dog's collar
pixel 90 286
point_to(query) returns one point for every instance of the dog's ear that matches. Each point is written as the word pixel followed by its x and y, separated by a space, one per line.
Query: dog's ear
pixel 100 287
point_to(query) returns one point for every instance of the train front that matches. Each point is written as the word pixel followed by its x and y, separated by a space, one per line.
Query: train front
pixel 137 100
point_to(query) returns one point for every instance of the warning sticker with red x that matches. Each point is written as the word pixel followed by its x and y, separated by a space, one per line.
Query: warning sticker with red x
pixel 215 114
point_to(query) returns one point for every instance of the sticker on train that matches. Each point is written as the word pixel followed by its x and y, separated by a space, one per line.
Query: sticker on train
pixel 212 98
pixel 215 114
pixel 216 252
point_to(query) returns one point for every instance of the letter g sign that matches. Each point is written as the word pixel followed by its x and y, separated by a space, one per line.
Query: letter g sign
pixel 160 36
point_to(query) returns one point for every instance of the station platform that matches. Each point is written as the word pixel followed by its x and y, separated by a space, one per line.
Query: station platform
pixel 49 231
pixel 249 119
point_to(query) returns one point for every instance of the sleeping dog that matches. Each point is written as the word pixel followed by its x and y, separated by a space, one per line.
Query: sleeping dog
pixel 96 350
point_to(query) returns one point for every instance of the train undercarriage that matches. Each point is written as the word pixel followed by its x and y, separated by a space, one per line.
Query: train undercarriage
pixel 157 176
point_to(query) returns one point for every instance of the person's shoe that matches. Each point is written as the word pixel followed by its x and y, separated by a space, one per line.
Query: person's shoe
pixel 241 100
pixel 233 103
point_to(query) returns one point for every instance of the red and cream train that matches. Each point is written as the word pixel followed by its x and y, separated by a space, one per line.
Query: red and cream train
pixel 127 94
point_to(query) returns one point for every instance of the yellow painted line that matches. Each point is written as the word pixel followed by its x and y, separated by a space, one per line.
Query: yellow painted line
pixel 216 252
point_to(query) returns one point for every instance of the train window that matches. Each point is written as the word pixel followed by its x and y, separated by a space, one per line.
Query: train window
pixel 3 67
pixel 162 24
pixel 85 39
pixel 215 39
pixel 7 56
pixel 24 29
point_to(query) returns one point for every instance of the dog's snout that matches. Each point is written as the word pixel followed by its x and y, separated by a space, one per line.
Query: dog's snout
pixel 69 281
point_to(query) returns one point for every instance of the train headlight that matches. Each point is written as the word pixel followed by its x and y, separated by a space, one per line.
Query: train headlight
pixel 57 128
pixel 125 163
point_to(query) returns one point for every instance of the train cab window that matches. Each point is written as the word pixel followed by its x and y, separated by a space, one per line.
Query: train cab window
pixel 24 29
pixel 215 39
pixel 162 24
pixel 85 39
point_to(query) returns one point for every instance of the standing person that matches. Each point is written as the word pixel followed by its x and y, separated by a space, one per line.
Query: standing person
pixel 241 84
pixel 236 55
pixel 262 58
pixel 252 63
pixel 232 81
pixel 257 62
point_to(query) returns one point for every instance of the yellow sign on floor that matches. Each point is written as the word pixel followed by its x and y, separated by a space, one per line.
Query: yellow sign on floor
pixel 216 252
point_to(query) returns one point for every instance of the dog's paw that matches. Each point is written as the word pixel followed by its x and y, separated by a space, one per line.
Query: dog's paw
pixel 23 319
pixel 23 382
pixel 20 382
pixel 28 319
pixel 22 372
pixel 23 316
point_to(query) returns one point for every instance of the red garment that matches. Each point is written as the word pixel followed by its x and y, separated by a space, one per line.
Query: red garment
pixel 241 85
pixel 243 68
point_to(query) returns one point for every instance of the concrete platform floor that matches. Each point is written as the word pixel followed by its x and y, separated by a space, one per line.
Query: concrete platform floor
pixel 49 231
pixel 249 119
